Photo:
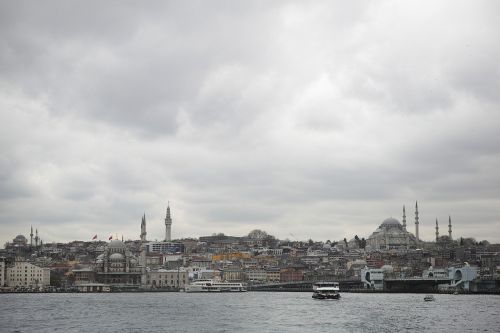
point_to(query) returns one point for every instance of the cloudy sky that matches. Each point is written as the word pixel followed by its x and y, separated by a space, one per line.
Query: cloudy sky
pixel 305 119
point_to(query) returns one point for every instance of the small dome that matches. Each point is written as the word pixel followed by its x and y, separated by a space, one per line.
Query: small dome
pixel 100 257
pixel 116 256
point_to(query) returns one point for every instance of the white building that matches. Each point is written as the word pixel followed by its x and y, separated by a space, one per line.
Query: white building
pixel 24 274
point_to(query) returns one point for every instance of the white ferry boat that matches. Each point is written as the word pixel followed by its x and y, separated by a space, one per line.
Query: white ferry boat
pixel 215 286
pixel 326 290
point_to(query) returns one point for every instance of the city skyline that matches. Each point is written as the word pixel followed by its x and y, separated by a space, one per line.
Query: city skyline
pixel 304 120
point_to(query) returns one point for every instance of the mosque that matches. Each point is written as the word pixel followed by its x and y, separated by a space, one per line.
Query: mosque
pixel 391 234
pixel 117 266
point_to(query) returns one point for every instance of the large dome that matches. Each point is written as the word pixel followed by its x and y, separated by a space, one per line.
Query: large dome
pixel 20 238
pixel 390 222
pixel 116 244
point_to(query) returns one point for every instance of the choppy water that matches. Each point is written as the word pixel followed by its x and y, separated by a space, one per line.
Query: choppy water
pixel 246 312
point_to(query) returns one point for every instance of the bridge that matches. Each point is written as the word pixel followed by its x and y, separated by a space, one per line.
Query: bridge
pixel 415 285
pixel 345 284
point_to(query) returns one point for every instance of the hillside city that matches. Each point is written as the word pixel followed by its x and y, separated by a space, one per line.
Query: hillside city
pixel 390 253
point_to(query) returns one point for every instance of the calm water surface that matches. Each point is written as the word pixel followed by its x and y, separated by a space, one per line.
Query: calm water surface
pixel 246 312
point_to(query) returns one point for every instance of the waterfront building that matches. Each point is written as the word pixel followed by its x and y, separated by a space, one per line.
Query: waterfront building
pixel 93 288
pixel 169 279
pixel 24 274
pixel 391 235
pixel 273 275
pixel 83 276
pixel 233 275
pixel 117 266
pixel 290 274
pixel 2 272
pixel 256 275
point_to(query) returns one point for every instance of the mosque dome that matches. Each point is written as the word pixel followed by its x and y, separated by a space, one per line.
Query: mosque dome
pixel 20 238
pixel 116 244
pixel 390 222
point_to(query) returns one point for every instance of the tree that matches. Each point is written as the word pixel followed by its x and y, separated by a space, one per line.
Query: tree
pixel 363 243
pixel 257 234
pixel 357 240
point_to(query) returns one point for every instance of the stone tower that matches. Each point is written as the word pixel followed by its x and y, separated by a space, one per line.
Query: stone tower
pixel 31 237
pixel 168 225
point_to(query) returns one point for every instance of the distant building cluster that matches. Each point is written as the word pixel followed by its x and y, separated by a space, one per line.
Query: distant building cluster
pixel 390 252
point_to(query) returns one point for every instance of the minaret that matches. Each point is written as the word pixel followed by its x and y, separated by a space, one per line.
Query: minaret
pixel 449 227
pixel 143 228
pixel 36 237
pixel 416 222
pixel 437 231
pixel 143 251
pixel 31 237
pixel 168 225
pixel 404 218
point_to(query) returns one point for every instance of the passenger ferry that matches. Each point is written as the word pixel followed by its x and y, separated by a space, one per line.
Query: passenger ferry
pixel 215 286
pixel 326 290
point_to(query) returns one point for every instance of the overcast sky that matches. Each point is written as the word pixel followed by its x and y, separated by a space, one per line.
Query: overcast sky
pixel 307 119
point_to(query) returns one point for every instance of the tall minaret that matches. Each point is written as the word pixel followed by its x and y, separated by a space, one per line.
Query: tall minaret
pixel 416 222
pixel 143 251
pixel 437 231
pixel 449 227
pixel 31 237
pixel 168 225
pixel 404 218
pixel 36 237
pixel 143 228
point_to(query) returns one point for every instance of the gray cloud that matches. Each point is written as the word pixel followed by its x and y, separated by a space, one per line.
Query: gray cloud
pixel 317 120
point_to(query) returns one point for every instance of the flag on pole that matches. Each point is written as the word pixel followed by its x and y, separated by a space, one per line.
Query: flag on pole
pixel 110 237
pixel 95 237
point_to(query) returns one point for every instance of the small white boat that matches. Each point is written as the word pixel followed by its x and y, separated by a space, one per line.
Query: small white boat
pixel 326 290
pixel 209 285
pixel 429 298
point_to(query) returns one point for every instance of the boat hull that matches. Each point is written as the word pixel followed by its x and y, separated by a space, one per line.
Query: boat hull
pixel 325 296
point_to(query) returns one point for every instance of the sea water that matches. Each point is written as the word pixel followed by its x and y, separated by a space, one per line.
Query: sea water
pixel 247 312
